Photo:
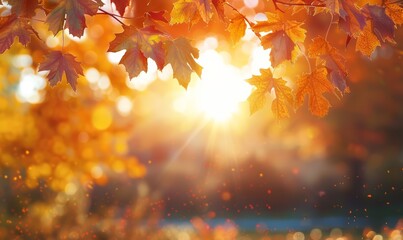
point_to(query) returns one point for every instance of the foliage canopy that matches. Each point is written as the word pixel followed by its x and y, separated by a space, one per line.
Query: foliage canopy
pixel 292 29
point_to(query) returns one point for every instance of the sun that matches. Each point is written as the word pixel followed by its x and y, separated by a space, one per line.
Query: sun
pixel 222 87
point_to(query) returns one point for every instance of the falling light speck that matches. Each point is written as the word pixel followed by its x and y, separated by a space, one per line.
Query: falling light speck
pixel 251 3
pixel 22 61
pixel 124 105
pixel 29 88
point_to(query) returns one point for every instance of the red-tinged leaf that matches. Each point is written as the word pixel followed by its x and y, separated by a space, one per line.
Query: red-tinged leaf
pixel 25 8
pixel 59 63
pixel 281 47
pixel 148 40
pixel 395 12
pixel 73 11
pixel 264 84
pixel 219 7
pixel 367 41
pixel 334 61
pixel 314 85
pixel 351 20
pixel 382 25
pixel 333 6
pixel 181 55
pixel 10 27
pixel 236 28
pixel 205 8
pixel 185 11
pixel 157 16
pixel 134 61
pixel 121 5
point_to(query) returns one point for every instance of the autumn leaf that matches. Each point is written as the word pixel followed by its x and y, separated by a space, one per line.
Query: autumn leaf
pixel 157 16
pixel 10 27
pixel 314 85
pixel 25 8
pixel 181 55
pixel 264 83
pixel 121 5
pixel 281 47
pixel 205 8
pixel 395 12
pixel 334 61
pixel 219 7
pixel 282 37
pixel 351 20
pixel 59 63
pixel 146 40
pixel 382 25
pixel 367 41
pixel 185 11
pixel 71 11
pixel 236 28
pixel 134 61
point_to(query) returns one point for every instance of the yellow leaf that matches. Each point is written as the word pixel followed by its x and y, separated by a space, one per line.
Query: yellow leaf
pixel 314 85
pixel 367 40
pixel 264 84
pixel 185 11
pixel 395 12
pixel 236 28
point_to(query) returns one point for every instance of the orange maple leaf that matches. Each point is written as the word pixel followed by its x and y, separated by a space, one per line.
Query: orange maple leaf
pixel 10 27
pixel 314 85
pixel 264 83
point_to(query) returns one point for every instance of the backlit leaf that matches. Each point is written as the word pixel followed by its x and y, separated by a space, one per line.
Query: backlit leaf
pixel 314 85
pixel 281 47
pixel 185 11
pixel 181 55
pixel 236 28
pixel 146 40
pixel 10 27
pixel 334 61
pixel 395 12
pixel 219 7
pixel 59 63
pixel 264 83
pixel 72 12
pixel 351 20
pixel 367 41
pixel 205 8
pixel 134 61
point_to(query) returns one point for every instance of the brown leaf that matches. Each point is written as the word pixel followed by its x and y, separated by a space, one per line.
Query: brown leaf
pixel 121 5
pixel 73 11
pixel 382 25
pixel 25 8
pixel 314 85
pixel 181 55
pixel 205 8
pixel 147 40
pixel 10 27
pixel 59 63
pixel 134 61
pixel 281 47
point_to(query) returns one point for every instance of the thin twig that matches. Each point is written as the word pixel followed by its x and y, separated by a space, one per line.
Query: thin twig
pixel 298 4
pixel 243 16
pixel 330 25
pixel 113 16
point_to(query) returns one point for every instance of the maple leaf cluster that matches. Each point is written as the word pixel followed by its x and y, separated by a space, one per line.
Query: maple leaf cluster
pixel 153 35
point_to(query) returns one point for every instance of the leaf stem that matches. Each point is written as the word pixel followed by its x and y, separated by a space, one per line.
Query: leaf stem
pixel 330 25
pixel 297 4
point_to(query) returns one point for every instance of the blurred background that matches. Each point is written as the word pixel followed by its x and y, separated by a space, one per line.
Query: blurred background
pixel 144 158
